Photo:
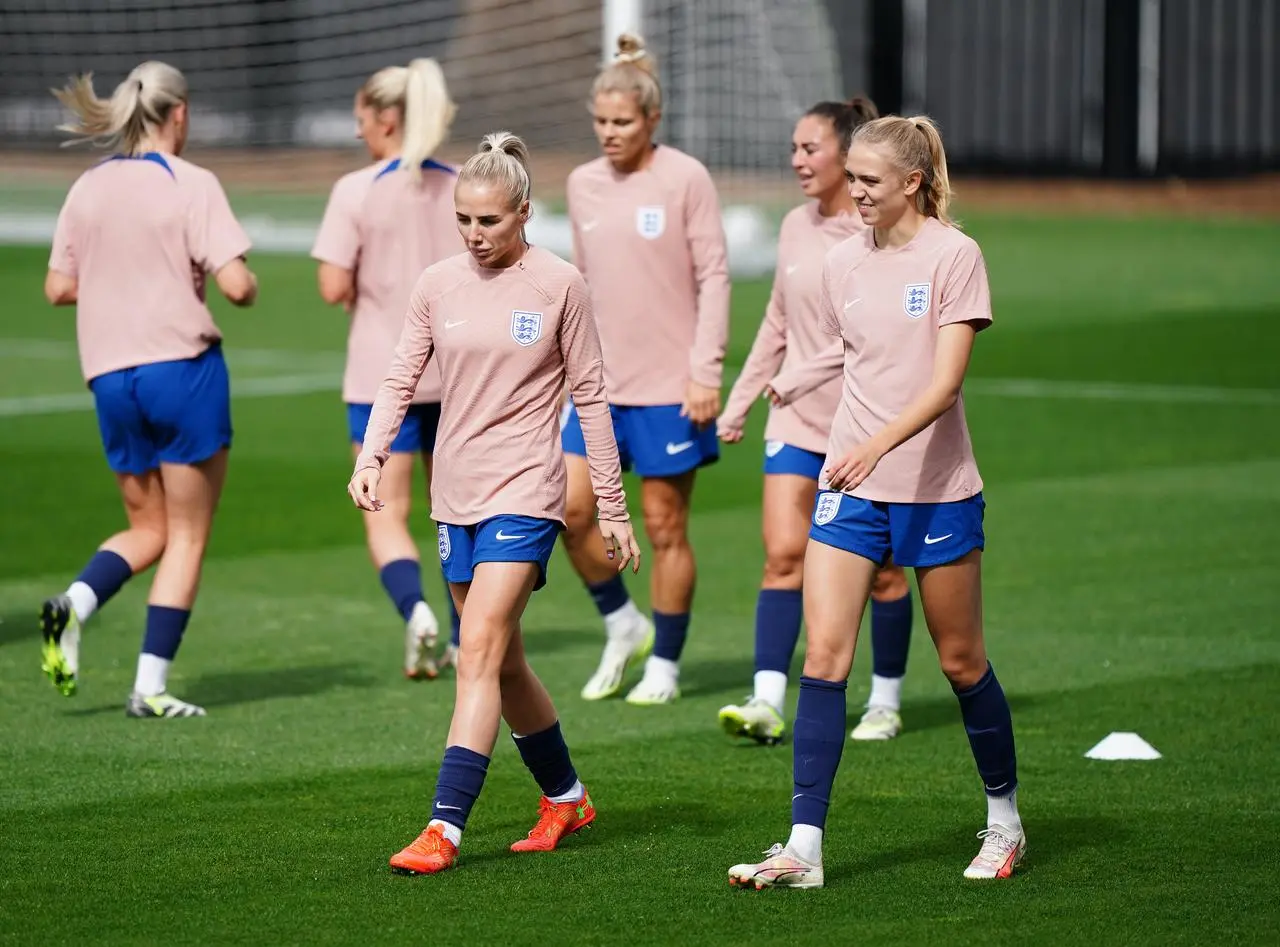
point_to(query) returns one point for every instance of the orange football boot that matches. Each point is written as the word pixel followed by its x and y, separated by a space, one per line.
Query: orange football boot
pixel 428 853
pixel 555 821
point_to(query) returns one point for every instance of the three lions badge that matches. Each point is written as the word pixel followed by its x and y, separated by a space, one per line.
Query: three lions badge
pixel 827 508
pixel 651 221
pixel 915 299
pixel 526 327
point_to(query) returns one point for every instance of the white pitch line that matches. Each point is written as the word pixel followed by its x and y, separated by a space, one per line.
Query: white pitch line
pixel 284 385
pixel 72 402
pixel 1120 391
pixel 52 350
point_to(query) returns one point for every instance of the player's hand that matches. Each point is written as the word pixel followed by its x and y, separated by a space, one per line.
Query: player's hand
pixel 853 468
pixel 775 400
pixel 620 543
pixel 701 404
pixel 364 488
pixel 729 433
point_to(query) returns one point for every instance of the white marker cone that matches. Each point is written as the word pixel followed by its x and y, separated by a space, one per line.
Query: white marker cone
pixel 1123 745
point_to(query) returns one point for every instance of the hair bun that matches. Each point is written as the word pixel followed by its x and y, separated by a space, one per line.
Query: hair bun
pixel 630 48
pixel 863 109
pixel 508 144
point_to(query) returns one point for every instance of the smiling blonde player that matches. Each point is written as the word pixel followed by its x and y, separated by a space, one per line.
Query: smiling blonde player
pixel 649 239
pixel 383 226
pixel 797 434
pixel 136 239
pixel 906 300
pixel 511 328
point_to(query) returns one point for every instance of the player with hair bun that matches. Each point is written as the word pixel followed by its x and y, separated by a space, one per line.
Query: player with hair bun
pixel 137 237
pixel 649 239
pixel 511 328
pixel 796 438
pixel 383 226
pixel 904 300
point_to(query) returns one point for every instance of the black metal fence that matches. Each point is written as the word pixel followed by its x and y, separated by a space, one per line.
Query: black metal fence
pixel 1088 87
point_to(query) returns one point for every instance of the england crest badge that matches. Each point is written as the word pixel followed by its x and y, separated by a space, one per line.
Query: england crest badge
pixel 526 327
pixel 651 221
pixel 915 299
pixel 442 538
pixel 827 508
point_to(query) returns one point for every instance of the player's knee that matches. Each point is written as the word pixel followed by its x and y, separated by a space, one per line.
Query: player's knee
pixel 825 658
pixel 152 537
pixel 480 658
pixel 890 585
pixel 783 567
pixel 824 665
pixel 579 518
pixel 963 665
pixel 666 527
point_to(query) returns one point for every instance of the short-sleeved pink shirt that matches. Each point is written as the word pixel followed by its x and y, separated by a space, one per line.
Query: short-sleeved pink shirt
pixel 140 235
pixel 386 228
pixel 888 305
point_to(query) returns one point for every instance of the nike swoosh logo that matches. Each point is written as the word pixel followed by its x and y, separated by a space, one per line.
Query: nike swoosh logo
pixel 677 448
pixel 930 540
pixel 852 302
pixel 792 268
pixel 996 788
pixel 502 537
pixel 590 225
pixel 441 805
pixel 454 325
pixel 777 874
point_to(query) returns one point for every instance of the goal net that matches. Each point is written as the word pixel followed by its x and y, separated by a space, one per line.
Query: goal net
pixel 272 84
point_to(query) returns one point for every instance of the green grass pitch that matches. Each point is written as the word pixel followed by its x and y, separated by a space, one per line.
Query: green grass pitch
pixel 1126 415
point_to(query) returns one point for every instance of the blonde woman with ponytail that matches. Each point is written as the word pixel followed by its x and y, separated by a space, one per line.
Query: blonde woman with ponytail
pixel 904 300
pixel 152 357
pixel 510 326
pixel 796 439
pixel 649 239
pixel 383 226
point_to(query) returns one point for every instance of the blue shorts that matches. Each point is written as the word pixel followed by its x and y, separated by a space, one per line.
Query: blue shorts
pixel 918 534
pixel 497 539
pixel 164 413
pixel 652 439
pixel 780 458
pixel 417 432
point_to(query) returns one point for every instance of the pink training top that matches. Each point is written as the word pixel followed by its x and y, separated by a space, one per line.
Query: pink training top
pixel 790 336
pixel 887 305
pixel 651 245
pixel 508 342
pixel 139 235
pixel 381 225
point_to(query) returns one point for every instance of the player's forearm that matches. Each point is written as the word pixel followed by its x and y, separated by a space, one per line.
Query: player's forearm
pixel 811 375
pixel 933 403
pixel 603 463
pixel 711 337
pixel 761 365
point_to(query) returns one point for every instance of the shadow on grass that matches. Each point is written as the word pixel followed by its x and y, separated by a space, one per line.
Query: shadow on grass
pixel 229 688
pixel 16 626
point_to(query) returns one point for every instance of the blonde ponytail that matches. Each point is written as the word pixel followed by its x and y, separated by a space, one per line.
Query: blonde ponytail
pixel 428 113
pixel 420 94
pixel 915 144
pixel 503 159
pixel 633 71
pixel 936 187
pixel 140 103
